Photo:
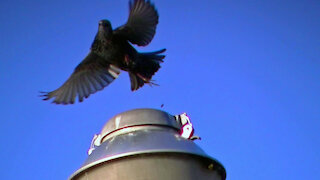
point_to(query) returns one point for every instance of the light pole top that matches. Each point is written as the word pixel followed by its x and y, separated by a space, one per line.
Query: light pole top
pixel 145 132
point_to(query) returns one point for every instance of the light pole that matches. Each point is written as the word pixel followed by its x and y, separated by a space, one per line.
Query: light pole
pixel 145 144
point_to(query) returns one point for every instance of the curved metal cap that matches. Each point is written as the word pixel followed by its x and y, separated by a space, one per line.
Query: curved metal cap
pixel 141 131
pixel 138 117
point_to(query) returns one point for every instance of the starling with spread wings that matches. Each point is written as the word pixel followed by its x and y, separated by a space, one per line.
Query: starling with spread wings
pixel 111 52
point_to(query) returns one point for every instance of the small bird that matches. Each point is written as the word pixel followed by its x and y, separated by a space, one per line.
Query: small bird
pixel 110 52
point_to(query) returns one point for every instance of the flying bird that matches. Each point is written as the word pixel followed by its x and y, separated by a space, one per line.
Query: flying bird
pixel 110 52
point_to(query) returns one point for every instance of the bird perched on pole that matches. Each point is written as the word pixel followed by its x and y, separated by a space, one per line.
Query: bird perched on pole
pixel 110 52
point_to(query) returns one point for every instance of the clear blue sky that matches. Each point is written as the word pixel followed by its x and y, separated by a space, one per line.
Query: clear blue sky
pixel 247 72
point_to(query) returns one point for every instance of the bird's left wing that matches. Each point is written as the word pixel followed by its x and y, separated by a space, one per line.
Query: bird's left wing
pixel 90 76
pixel 141 25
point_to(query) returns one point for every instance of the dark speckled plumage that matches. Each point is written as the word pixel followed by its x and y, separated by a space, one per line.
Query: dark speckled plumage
pixel 110 52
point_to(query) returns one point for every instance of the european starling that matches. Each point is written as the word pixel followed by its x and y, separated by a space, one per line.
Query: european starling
pixel 110 52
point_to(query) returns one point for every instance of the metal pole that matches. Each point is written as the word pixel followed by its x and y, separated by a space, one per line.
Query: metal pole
pixel 145 144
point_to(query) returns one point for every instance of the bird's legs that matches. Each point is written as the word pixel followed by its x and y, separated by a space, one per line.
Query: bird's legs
pixel 148 81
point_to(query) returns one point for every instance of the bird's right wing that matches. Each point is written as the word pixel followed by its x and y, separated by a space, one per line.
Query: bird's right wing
pixel 141 25
pixel 90 76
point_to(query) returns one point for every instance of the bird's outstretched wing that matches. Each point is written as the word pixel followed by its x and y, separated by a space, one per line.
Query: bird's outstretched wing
pixel 90 76
pixel 141 25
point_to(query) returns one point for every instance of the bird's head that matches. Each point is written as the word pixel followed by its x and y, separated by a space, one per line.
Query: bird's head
pixel 105 27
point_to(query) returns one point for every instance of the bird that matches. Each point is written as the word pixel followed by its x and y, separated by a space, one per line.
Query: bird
pixel 111 51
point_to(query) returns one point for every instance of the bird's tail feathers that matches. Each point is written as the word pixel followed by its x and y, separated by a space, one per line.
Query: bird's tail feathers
pixel 147 65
